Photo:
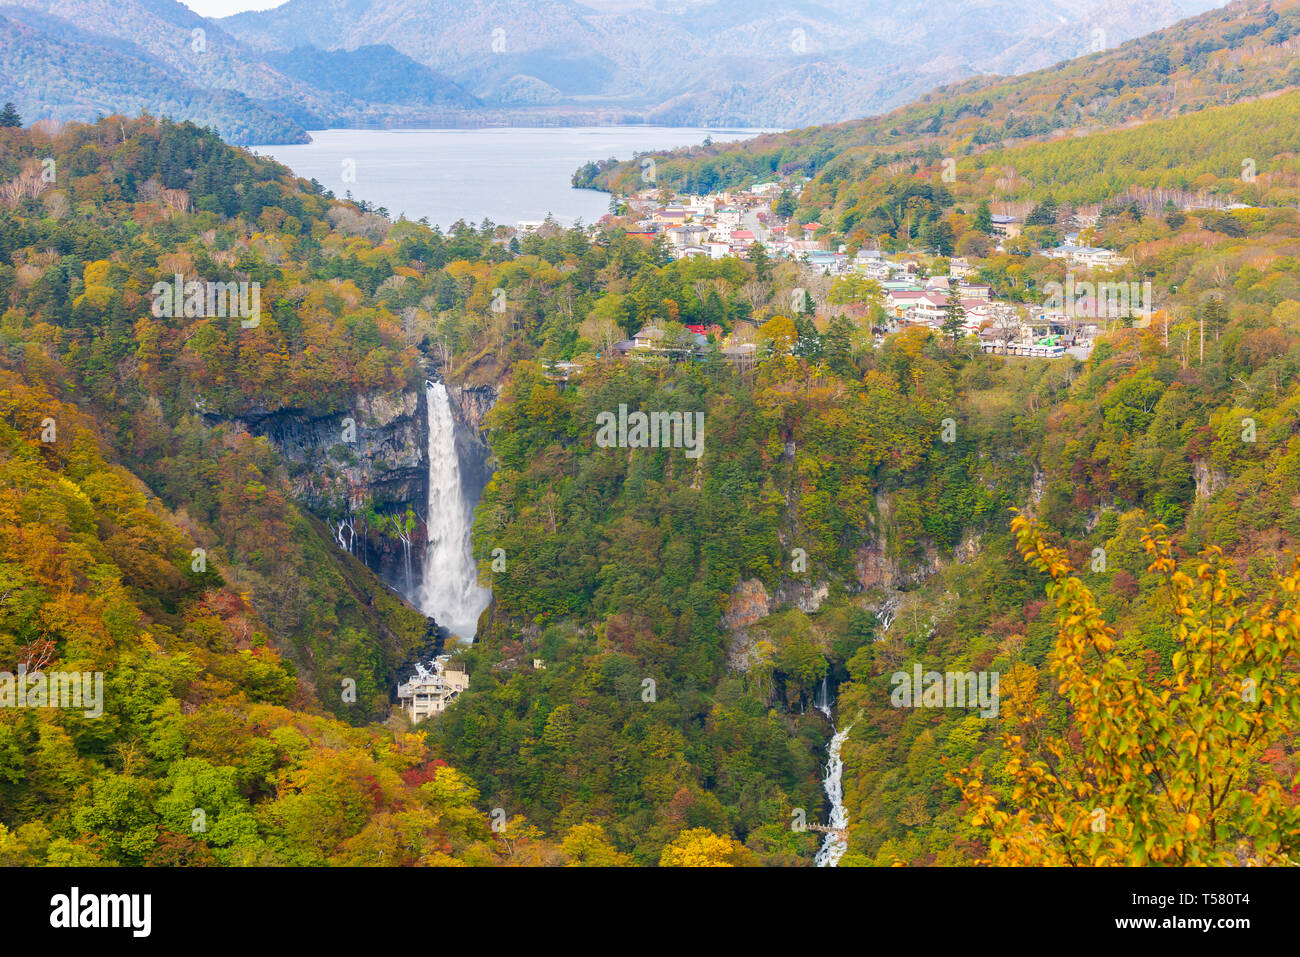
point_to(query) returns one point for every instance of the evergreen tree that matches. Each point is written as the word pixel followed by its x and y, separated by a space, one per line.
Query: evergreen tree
pixel 837 345
pixel 984 218
pixel 1044 214
pixel 1214 315
pixel 713 310
pixel 762 264
pixel 809 341
pixel 939 237
pixel 954 316
pixel 9 116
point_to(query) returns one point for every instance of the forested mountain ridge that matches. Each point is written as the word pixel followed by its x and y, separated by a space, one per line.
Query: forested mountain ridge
pixel 760 63
pixel 299 65
pixel 79 74
pixel 1244 50
pixel 82 58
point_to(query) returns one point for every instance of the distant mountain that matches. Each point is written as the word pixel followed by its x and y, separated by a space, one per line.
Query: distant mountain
pixel 52 70
pixel 374 74
pixel 76 59
pixel 762 62
pixel 269 76
pixel 1238 53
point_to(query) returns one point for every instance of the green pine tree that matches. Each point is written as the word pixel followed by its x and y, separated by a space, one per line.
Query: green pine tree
pixel 9 116
pixel 954 316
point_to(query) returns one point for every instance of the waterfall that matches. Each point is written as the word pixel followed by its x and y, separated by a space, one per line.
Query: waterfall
pixel 449 591
pixel 822 697
pixel 835 845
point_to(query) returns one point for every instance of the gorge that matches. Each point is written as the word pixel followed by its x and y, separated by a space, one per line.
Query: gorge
pixel 396 478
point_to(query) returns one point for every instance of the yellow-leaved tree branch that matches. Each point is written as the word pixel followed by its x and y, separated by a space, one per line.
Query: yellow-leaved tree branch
pixel 1154 771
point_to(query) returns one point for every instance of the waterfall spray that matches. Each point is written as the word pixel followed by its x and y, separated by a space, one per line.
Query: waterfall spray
pixel 449 591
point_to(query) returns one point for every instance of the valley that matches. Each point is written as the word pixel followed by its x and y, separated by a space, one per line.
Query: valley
pixel 913 490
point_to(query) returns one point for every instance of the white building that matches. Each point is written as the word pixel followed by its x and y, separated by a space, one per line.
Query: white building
pixel 1086 256
pixel 431 689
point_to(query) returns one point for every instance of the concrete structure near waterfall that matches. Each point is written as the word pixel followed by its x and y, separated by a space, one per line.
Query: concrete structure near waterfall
pixel 431 689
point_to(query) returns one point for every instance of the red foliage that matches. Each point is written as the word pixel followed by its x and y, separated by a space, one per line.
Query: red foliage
pixel 423 772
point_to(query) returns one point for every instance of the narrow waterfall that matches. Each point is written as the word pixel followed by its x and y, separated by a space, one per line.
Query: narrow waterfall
pixel 449 590
pixel 822 697
pixel 835 845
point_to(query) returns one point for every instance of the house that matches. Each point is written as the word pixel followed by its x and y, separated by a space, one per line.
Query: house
pixel 899 285
pixel 975 290
pixel 648 337
pixel 823 260
pixel 740 351
pixel 930 309
pixel 1086 256
pixel 729 216
pixel 900 301
pixel 1007 226
pixel 877 269
pixel 431 689
pixel 689 252
pixel 690 235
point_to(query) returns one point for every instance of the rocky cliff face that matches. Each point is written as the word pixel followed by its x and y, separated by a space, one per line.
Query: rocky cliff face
pixel 365 470
pixel 469 406
pixel 373 453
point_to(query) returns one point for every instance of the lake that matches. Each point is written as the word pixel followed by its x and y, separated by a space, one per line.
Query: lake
pixel 503 174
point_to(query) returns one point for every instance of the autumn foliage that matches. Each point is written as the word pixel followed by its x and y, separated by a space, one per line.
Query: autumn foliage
pixel 1170 771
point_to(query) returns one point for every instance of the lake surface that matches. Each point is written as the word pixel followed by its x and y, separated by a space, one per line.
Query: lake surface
pixel 503 174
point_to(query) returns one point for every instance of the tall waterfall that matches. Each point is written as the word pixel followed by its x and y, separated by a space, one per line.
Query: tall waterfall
pixel 449 591
pixel 834 846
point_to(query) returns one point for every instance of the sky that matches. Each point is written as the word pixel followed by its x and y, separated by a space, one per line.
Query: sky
pixel 225 8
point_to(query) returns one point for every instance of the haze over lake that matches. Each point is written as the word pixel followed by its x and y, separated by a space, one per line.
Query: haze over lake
pixel 503 174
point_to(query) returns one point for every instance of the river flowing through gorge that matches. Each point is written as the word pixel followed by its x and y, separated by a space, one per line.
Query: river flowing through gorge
pixel 835 844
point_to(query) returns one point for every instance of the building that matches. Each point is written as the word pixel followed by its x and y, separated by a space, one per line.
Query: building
pixel 1093 256
pixel 1007 226
pixel 431 689
pixel 648 337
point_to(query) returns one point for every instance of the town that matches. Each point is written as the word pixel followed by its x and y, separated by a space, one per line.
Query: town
pixel 881 291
